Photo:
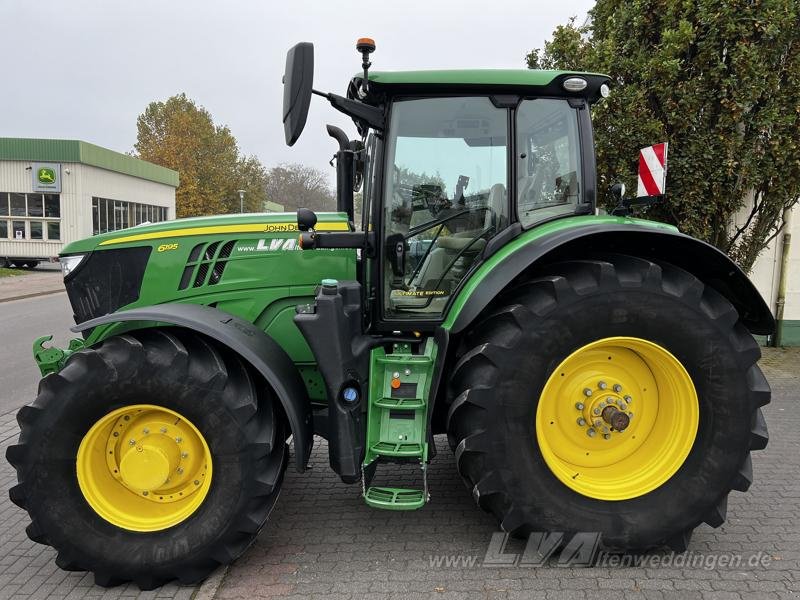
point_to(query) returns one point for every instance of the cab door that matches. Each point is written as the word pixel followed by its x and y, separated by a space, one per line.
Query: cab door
pixel 445 195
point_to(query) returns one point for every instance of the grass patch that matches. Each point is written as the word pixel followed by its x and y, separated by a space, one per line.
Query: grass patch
pixel 12 272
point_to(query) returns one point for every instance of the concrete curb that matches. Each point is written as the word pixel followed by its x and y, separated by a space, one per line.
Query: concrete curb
pixel 208 589
pixel 33 295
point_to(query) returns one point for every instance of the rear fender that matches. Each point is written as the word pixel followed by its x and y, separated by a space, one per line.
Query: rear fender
pixel 249 342
pixel 586 235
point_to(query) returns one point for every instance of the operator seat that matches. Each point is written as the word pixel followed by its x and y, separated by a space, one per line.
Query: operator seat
pixel 448 248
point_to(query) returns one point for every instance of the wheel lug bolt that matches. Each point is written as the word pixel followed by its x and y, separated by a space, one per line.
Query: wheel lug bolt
pixel 116 434
pixel 196 482
pixel 598 423
pixel 596 411
pixel 617 388
pixel 179 470
pixel 132 442
pixel 587 392
pixel 178 440
pixel 591 432
pixel 621 404
pixel 602 385
pixel 146 431
pixel 627 399
pixel 127 417
pixel 606 436
pixel 579 405
pixel 163 430
pixel 630 415
pixel 145 493
pixel 184 455
pixel 581 421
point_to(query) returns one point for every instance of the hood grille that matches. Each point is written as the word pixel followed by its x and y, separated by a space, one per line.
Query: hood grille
pixel 106 281
pixel 206 264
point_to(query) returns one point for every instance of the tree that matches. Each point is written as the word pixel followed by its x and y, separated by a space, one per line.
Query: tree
pixel 180 135
pixel 721 82
pixel 299 186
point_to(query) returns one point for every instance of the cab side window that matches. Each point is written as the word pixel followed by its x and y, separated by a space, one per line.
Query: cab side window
pixel 548 163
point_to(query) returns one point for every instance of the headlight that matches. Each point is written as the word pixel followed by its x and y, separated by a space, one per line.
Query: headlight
pixel 70 263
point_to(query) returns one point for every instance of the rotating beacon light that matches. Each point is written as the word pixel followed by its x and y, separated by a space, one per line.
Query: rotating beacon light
pixel 366 46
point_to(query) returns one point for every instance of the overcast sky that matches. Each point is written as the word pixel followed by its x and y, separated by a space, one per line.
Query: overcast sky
pixel 85 69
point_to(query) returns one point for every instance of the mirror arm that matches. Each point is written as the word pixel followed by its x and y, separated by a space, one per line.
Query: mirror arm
pixel 370 115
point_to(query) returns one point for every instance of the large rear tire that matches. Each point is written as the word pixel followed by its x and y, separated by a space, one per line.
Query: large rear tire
pixel 524 387
pixel 200 402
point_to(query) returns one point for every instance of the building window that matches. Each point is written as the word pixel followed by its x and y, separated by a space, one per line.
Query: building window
pixel 17 205
pixel 37 216
pixel 113 215
pixel 18 227
pixel 53 230
pixel 37 232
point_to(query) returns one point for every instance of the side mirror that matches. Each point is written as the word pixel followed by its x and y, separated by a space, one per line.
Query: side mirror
pixel 618 192
pixel 298 80
pixel 396 253
pixel 306 219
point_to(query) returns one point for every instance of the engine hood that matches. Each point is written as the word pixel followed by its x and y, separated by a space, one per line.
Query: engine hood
pixel 169 231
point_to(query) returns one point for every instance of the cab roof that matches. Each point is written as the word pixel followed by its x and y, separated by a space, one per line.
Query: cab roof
pixel 517 81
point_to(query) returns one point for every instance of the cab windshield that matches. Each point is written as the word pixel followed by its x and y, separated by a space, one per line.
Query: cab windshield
pixel 446 196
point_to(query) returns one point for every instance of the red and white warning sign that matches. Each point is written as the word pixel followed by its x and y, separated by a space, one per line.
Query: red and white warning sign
pixel 652 170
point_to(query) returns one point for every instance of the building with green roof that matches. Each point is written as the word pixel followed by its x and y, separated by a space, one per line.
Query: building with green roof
pixel 53 192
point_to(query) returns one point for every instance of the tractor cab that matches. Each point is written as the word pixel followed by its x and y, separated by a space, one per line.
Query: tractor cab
pixel 447 162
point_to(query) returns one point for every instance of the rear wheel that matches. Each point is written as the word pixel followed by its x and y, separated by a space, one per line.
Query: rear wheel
pixel 614 395
pixel 152 457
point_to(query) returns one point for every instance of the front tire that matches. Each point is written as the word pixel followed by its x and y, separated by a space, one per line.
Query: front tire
pixel 509 387
pixel 189 388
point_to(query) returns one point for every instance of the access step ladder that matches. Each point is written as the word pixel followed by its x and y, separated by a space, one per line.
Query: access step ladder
pixel 397 418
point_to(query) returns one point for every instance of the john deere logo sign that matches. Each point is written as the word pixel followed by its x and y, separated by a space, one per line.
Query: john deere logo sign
pixel 46 177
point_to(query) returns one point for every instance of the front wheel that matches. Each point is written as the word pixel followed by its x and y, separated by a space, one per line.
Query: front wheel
pixel 614 395
pixel 152 457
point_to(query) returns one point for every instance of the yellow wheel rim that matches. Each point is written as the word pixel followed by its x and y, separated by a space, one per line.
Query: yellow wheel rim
pixel 629 382
pixel 144 468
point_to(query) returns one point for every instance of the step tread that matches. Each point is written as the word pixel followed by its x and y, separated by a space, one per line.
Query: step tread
pixel 390 498
pixel 398 448
pixel 403 359
pixel 406 403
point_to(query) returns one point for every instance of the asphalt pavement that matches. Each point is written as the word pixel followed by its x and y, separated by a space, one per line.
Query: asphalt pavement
pixel 21 322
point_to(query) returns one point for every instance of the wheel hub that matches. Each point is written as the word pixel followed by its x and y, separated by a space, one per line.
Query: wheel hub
pixel 144 467
pixel 604 409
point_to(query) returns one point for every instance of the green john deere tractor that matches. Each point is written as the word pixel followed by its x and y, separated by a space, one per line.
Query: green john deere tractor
pixel 592 372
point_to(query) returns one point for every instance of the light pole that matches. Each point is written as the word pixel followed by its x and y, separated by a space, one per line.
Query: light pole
pixel 241 201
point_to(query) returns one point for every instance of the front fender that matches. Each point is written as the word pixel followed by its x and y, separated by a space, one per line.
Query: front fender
pixel 249 342
pixel 579 237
